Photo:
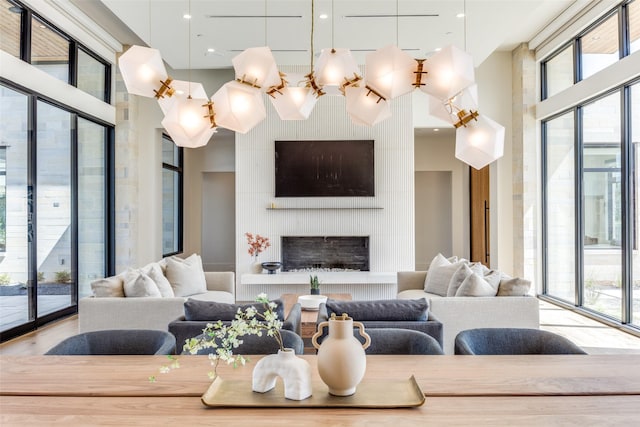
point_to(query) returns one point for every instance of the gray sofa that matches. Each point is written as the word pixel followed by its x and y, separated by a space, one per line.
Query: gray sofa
pixel 461 313
pixel 380 314
pixel 99 313
pixel 199 313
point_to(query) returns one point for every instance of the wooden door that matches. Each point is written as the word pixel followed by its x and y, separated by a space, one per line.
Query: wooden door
pixel 479 212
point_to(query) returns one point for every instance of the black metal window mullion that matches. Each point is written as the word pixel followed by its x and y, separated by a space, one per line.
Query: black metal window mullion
pixel 73 63
pixel 25 35
pixel 110 201
pixel 545 206
pixel 623 30
pixel 74 207
pixel 579 206
pixel 32 243
pixel 628 222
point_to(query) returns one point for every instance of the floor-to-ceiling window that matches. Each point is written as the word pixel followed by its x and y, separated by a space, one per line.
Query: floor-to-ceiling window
pixel 56 171
pixel 590 175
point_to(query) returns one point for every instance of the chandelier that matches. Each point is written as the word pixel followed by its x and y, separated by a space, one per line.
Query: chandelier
pixel 447 78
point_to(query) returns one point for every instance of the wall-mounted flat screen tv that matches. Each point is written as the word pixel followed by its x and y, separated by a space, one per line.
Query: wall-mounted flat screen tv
pixel 324 168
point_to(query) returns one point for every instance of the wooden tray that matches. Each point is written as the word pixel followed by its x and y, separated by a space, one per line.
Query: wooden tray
pixel 369 394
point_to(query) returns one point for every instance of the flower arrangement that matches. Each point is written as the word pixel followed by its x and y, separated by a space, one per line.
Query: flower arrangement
pixel 257 244
pixel 223 339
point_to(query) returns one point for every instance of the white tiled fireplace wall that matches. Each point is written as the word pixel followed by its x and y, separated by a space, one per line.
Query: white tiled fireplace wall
pixel 390 229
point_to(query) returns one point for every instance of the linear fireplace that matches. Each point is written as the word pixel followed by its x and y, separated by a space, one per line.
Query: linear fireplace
pixel 330 253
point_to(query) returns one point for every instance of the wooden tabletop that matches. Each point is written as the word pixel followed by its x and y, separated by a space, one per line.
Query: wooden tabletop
pixel 437 375
pixel 460 390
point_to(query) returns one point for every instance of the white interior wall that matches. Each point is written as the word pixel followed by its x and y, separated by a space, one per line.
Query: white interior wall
pixel 494 98
pixel 435 151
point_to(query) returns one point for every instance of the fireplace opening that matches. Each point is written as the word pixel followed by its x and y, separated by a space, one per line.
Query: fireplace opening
pixel 325 253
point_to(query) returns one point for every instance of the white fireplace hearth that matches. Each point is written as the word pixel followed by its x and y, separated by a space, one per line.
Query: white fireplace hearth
pixel 362 285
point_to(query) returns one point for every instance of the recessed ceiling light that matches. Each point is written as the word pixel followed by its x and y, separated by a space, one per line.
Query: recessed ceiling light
pixel 186 16
pixel 323 16
pixel 211 50
pixel 436 130
pixel 460 15
pixel 438 49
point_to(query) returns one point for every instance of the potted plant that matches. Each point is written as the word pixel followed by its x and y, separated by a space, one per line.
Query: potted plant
pixel 315 285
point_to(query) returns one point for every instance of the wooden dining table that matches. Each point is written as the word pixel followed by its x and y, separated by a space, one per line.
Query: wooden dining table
pixel 459 390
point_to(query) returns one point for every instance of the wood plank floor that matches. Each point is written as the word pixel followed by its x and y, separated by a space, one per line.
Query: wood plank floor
pixel 594 337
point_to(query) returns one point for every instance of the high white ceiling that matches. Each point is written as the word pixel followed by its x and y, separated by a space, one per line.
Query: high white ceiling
pixel 417 26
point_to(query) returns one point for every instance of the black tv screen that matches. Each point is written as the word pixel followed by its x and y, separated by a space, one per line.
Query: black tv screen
pixel 324 168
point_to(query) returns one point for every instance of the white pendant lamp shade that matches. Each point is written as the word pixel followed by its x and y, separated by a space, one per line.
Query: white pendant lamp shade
pixel 187 123
pixel 142 70
pixel 389 71
pixel 334 66
pixel 238 107
pixel 182 90
pixel 294 103
pixel 449 72
pixel 480 142
pixel 363 109
pixel 440 110
pixel 257 66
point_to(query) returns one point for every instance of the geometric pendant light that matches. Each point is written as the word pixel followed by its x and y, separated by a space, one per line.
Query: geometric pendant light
pixel 182 89
pixel 144 73
pixel 335 67
pixel 187 122
pixel 479 142
pixel 448 72
pixel 365 107
pixel 238 107
pixel 390 71
pixel 256 66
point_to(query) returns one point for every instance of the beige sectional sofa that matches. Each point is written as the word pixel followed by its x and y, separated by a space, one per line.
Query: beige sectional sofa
pixel 113 305
pixel 458 313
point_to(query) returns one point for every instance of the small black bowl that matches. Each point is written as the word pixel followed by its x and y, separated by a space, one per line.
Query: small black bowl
pixel 271 266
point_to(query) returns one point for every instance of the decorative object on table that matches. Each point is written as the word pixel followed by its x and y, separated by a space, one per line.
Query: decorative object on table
pixel 311 302
pixel 315 284
pixel 223 338
pixel 294 371
pixel 341 358
pixel 271 266
pixel 257 245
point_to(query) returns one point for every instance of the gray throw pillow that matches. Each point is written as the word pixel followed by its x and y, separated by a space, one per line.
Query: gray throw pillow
pixel 514 287
pixel 197 310
pixel 381 310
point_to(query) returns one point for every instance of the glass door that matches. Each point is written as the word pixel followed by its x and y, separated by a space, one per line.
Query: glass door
pixel 15 285
pixel 54 205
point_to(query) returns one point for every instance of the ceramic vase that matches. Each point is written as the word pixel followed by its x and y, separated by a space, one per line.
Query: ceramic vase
pixel 256 267
pixel 294 371
pixel 341 358
pixel 315 291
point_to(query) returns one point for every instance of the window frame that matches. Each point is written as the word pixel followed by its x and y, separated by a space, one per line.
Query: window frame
pixel 179 221
pixel 623 45
pixel 25 48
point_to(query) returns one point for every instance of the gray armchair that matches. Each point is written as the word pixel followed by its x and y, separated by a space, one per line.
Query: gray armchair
pixel 116 342
pixel 493 341
pixel 400 341
pixel 199 313
pixel 393 313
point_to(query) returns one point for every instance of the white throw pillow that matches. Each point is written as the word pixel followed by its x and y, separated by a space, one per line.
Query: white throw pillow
pixel 476 286
pixel 138 284
pixel 186 275
pixel 108 287
pixel 465 270
pixel 439 275
pixel 154 271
